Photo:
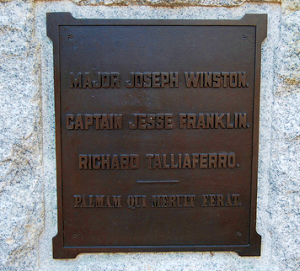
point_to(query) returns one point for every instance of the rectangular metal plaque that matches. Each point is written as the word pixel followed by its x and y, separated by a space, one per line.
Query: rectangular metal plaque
pixel 156 134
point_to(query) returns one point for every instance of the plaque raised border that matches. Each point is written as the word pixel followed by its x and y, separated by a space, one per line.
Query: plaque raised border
pixel 54 21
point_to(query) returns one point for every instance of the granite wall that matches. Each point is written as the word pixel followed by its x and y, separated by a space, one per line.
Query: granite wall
pixel 28 209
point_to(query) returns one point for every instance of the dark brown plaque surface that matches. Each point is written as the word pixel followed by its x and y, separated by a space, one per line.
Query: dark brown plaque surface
pixel 156 134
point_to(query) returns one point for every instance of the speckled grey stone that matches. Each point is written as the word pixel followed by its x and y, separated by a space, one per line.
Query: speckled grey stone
pixel 164 3
pixel 28 216
pixel 21 181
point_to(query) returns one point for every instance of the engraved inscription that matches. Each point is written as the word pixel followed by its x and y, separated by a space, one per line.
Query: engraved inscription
pixel 158 121
pixel 151 121
pixel 158 201
pixel 96 80
pixel 218 200
pixel 108 161
pixel 223 120
pixel 102 79
pixel 136 201
pixel 99 121
pixel 215 79
pixel 98 201
pixel 191 161
pixel 173 201
pixel 153 79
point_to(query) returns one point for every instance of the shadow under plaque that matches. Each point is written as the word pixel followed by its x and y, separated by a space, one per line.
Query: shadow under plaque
pixel 156 134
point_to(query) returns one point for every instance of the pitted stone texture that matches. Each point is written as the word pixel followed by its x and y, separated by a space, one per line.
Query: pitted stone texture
pixel 288 60
pixel 284 192
pixel 21 186
pixel 284 195
pixel 168 3
pixel 290 5
pixel 289 51
pixel 162 3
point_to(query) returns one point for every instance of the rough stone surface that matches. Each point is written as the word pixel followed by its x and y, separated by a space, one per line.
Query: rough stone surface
pixel 289 49
pixel 21 182
pixel 27 155
pixel 168 3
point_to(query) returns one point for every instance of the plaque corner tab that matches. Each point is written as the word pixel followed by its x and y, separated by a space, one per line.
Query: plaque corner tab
pixel 260 21
pixel 57 246
pixel 59 251
pixel 58 16
pixel 255 18
pixel 54 20
pixel 262 27
pixel 254 248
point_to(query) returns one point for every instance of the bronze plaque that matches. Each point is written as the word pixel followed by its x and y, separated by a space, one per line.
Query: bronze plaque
pixel 156 134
